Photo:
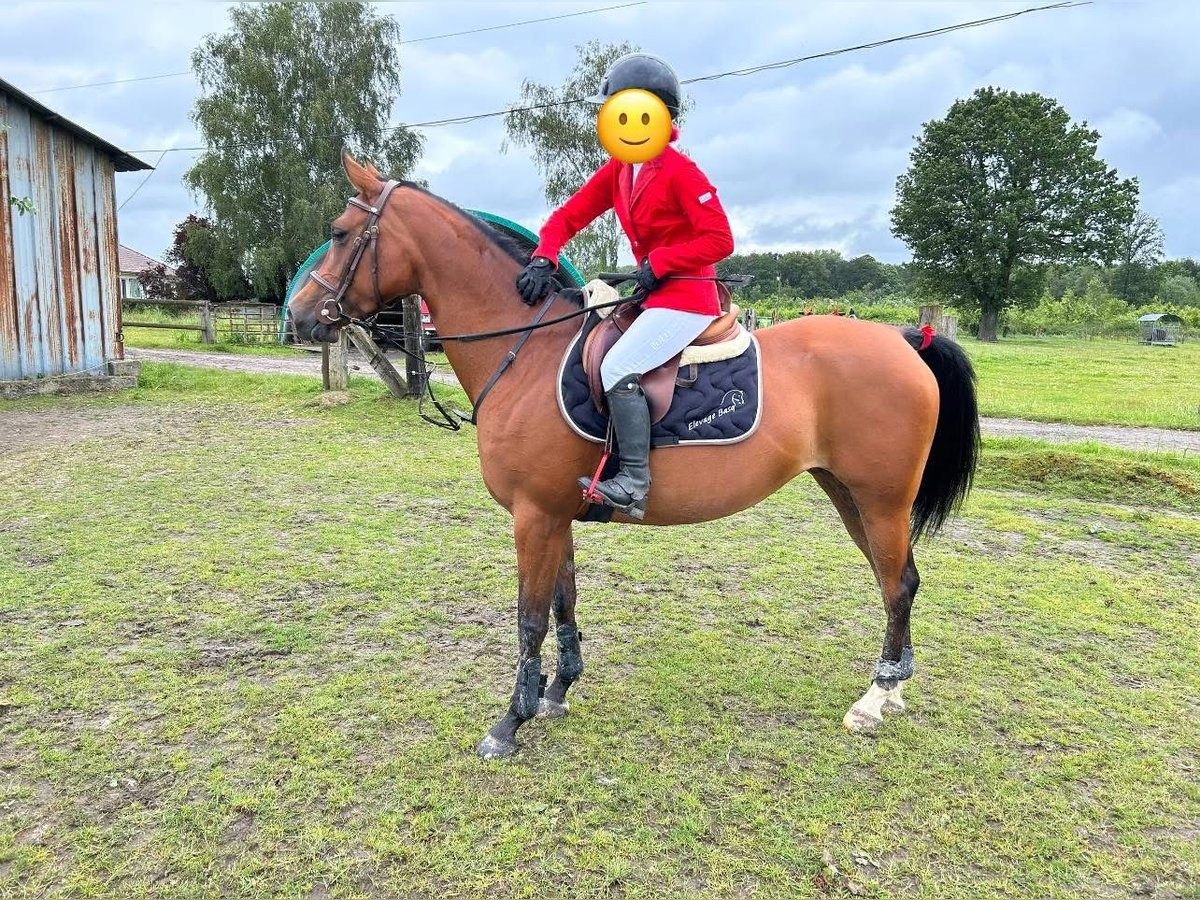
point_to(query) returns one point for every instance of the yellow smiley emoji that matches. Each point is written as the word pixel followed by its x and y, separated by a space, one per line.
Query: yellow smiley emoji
pixel 634 126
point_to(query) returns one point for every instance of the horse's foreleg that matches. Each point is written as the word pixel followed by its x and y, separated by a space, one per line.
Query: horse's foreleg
pixel 570 655
pixel 891 553
pixel 540 543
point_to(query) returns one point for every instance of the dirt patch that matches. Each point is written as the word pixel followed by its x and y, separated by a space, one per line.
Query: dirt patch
pixel 31 429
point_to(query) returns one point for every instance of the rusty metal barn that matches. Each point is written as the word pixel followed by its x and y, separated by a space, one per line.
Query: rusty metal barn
pixel 60 299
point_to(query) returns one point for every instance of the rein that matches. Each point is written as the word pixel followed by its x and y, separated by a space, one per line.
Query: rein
pixel 330 311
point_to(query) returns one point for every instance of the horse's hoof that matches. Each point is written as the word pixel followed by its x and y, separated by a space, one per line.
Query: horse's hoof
pixel 860 721
pixel 492 748
pixel 548 709
pixel 894 703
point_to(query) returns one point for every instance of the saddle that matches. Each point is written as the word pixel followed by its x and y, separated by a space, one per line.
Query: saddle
pixel 659 384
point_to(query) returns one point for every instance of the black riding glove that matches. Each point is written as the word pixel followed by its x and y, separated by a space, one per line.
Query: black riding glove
pixel 536 280
pixel 646 279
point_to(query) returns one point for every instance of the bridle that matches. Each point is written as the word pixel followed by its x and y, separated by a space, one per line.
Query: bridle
pixel 329 310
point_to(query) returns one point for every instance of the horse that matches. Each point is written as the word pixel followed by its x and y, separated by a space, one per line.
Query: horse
pixel 883 418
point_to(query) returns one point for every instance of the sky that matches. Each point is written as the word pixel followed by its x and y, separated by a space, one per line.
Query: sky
pixel 804 157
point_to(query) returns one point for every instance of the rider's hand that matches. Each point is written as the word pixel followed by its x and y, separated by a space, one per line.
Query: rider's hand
pixel 536 280
pixel 646 279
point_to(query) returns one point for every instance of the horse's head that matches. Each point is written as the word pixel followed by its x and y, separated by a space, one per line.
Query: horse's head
pixel 364 269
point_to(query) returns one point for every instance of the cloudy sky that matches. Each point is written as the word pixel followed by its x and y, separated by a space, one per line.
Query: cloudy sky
pixel 804 157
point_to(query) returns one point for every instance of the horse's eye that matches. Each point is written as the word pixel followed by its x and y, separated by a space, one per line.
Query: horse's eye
pixel 338 234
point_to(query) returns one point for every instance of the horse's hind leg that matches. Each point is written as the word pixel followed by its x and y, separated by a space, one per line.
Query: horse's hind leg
pixel 887 534
pixel 570 656
pixel 884 541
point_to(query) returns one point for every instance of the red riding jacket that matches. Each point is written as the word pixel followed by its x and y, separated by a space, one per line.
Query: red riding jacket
pixel 671 216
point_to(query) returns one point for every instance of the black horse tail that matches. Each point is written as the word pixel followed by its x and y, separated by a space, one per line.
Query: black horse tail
pixel 954 454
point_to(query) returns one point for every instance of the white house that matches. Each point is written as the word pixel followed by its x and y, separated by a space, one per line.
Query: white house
pixel 133 264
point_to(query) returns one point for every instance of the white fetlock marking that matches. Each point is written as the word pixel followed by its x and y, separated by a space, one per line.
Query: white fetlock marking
pixel 867 713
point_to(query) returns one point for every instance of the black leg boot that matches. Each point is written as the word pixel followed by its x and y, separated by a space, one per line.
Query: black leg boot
pixel 627 490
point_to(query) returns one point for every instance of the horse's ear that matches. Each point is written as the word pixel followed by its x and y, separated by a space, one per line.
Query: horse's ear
pixel 364 182
pixel 374 171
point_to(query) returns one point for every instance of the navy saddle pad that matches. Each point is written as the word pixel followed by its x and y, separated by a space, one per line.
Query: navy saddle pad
pixel 717 403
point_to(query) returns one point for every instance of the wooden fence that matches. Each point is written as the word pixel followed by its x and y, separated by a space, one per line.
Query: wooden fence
pixel 239 322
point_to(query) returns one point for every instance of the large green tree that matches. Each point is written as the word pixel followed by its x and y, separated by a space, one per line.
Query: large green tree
pixel 1002 185
pixel 562 136
pixel 283 91
pixel 1135 277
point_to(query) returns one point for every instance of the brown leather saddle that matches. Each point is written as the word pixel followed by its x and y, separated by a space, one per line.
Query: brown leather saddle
pixel 659 384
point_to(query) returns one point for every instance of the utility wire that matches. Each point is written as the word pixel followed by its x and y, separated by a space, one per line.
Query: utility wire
pixel 914 36
pixel 149 175
pixel 420 40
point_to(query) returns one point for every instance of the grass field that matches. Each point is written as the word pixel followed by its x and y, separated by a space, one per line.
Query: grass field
pixel 248 644
pixel 1089 382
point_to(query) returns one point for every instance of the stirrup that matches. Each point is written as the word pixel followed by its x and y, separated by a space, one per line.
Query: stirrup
pixel 592 494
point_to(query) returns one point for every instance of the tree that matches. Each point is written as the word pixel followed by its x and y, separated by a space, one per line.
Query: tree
pixel 284 90
pixel 807 272
pixel 858 274
pixel 1187 267
pixel 1001 186
pixel 200 271
pixel 1179 290
pixel 1135 278
pixel 566 151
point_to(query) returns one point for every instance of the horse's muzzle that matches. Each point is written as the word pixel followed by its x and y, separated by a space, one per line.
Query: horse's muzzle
pixel 324 334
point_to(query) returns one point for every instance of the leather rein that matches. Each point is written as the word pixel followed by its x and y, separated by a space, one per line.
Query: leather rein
pixel 330 311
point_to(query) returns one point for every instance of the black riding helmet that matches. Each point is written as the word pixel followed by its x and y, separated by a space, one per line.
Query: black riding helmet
pixel 644 71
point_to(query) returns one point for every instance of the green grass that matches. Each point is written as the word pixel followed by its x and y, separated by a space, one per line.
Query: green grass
pixel 1089 382
pixel 247 645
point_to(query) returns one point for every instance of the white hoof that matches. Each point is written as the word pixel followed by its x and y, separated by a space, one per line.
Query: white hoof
pixel 866 714
pixel 548 709
pixel 861 721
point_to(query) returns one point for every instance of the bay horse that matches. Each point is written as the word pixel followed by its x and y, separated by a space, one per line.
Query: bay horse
pixel 889 429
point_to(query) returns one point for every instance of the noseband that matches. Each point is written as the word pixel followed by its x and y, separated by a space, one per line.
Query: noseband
pixel 329 310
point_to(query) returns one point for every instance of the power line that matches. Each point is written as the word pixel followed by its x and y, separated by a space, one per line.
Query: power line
pixel 781 64
pixel 149 174
pixel 75 87
pixel 585 12
pixel 915 36
pixel 420 40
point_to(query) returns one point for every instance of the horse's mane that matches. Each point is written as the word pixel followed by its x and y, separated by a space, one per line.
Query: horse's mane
pixel 509 244
pixel 511 247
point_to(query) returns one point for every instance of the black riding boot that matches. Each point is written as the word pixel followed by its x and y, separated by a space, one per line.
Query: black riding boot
pixel 626 491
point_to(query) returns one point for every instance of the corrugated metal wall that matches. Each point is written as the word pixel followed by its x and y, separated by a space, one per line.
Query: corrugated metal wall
pixel 60 302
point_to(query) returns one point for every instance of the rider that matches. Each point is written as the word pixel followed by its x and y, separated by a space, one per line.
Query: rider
pixel 676 226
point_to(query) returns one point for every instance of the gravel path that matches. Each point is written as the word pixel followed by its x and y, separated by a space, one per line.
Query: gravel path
pixel 1125 437
pixel 308 364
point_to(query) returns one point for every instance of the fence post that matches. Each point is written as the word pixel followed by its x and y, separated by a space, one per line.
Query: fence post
pixel 931 314
pixel 335 366
pixel 380 363
pixel 208 332
pixel 414 345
